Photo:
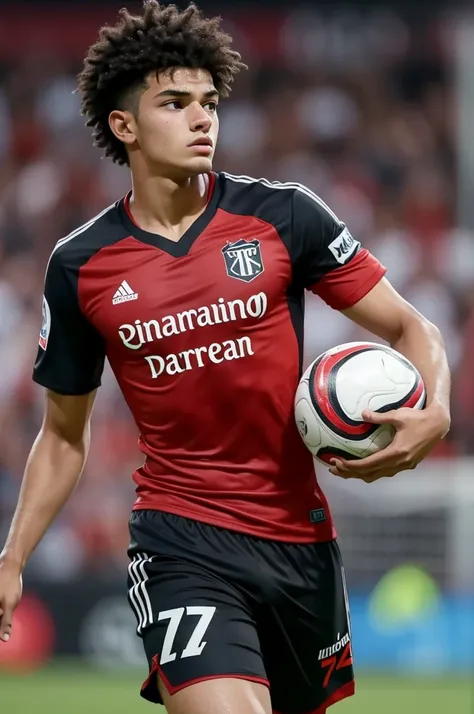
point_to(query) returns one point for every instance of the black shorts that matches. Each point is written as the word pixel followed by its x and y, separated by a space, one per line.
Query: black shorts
pixel 210 603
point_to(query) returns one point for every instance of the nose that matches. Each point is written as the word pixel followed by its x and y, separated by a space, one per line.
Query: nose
pixel 200 121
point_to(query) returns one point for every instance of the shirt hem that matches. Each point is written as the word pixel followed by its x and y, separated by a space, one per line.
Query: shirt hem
pixel 326 534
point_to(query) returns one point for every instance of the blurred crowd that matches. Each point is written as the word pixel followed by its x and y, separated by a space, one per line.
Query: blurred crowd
pixel 376 141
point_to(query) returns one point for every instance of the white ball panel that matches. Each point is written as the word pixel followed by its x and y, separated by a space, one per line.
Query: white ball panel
pixel 381 438
pixel 390 381
pixel 349 345
pixel 356 448
pixel 308 426
pixel 397 370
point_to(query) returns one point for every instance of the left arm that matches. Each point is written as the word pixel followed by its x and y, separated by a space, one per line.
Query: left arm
pixel 327 260
pixel 386 314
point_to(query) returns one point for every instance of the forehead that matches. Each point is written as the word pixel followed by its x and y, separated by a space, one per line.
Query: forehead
pixel 183 78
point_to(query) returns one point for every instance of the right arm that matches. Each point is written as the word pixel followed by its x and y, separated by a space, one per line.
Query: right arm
pixel 69 365
pixel 52 472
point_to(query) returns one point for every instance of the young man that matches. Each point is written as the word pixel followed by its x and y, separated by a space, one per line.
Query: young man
pixel 192 286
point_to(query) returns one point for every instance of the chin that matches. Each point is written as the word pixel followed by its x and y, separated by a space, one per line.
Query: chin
pixel 199 165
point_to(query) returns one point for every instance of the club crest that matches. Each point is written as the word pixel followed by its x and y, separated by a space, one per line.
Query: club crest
pixel 243 260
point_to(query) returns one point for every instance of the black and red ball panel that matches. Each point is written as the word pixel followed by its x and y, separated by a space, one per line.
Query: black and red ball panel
pixel 322 387
pixel 327 453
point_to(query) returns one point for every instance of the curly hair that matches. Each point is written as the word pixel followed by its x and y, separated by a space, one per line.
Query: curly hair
pixel 163 37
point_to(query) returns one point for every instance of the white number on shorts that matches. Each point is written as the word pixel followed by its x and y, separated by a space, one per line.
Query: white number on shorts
pixel 195 645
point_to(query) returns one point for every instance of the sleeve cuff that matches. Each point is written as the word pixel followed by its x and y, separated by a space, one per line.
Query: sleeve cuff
pixel 64 391
pixel 344 287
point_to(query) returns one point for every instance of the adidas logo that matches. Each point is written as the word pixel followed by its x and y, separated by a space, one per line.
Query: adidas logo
pixel 124 294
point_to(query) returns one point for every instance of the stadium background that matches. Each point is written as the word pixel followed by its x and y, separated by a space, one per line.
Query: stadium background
pixel 372 109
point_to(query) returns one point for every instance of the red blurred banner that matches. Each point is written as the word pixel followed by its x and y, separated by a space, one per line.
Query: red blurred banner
pixel 68 32
pixel 32 641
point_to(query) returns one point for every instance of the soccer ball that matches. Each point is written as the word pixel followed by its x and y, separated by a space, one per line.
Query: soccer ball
pixel 340 384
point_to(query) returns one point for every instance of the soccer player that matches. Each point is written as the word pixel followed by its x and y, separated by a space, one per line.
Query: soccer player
pixel 193 287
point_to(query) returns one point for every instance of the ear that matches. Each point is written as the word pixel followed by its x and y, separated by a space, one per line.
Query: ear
pixel 123 126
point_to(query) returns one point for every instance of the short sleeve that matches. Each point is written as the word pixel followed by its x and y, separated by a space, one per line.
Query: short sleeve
pixel 326 258
pixel 71 353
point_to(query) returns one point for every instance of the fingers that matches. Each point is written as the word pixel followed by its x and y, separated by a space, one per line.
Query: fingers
pixel 391 417
pixel 384 463
pixel 410 445
pixel 385 468
pixel 6 617
pixel 391 457
pixel 370 477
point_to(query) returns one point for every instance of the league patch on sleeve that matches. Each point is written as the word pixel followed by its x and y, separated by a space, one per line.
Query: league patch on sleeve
pixel 45 325
pixel 344 246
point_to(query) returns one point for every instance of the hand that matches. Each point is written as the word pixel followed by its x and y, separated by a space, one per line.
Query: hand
pixel 417 432
pixel 10 594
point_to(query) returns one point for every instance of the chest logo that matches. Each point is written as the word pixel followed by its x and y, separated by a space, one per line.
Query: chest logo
pixel 124 294
pixel 243 260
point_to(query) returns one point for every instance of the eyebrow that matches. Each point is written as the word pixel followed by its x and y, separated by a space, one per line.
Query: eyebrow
pixel 184 93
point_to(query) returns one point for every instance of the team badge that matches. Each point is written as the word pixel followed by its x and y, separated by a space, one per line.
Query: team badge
pixel 344 246
pixel 45 325
pixel 243 260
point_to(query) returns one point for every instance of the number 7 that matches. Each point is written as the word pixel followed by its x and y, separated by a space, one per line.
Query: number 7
pixel 195 645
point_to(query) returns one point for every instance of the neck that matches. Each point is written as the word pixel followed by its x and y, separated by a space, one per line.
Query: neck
pixel 163 205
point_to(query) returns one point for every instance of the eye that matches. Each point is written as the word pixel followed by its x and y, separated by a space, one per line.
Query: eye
pixel 212 106
pixel 174 104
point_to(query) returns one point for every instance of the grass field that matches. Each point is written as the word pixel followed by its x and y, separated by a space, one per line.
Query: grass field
pixel 69 689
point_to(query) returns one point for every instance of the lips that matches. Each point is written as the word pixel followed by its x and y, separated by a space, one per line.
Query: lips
pixel 203 141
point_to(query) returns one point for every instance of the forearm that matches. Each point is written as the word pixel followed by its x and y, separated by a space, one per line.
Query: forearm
pixel 422 343
pixel 52 472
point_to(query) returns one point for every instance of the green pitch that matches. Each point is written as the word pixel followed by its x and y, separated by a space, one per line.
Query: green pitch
pixel 70 689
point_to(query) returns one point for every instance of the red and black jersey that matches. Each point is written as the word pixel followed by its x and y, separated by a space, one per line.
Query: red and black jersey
pixel 205 337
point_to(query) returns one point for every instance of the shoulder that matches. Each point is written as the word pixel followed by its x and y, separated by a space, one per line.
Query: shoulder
pixel 246 192
pixel 76 248
pixel 250 187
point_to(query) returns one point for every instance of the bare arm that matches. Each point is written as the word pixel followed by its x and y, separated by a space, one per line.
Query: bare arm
pixel 386 314
pixel 69 361
pixel 52 471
